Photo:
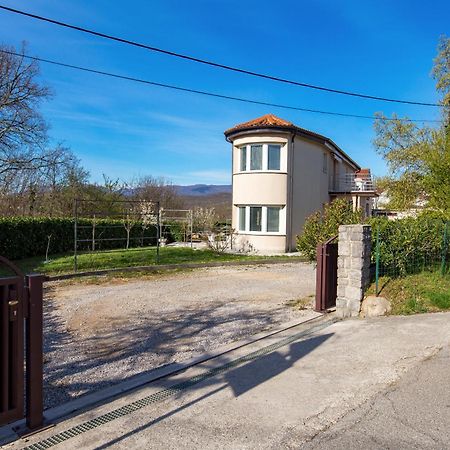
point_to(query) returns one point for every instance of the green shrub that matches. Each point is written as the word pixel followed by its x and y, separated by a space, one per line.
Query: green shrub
pixel 322 226
pixel 408 245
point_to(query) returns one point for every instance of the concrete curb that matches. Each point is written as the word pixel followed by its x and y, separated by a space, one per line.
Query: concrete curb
pixel 157 268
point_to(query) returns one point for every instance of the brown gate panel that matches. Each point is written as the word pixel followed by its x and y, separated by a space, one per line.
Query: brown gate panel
pixel 21 315
pixel 11 349
pixel 326 275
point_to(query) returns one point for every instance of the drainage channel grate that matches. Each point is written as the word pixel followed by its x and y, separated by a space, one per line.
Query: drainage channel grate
pixel 166 393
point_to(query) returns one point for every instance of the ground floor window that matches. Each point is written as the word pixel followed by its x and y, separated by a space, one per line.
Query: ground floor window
pixel 262 219
pixel 273 219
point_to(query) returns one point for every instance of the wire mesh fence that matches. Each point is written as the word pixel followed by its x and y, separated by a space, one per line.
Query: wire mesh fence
pixel 115 234
pixel 411 261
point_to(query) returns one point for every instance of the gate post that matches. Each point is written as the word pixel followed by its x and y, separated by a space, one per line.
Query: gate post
pixel 319 277
pixel 34 353
pixel 353 268
pixel 326 275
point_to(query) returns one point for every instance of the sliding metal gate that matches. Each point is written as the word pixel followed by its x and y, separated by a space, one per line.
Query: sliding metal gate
pixel 20 334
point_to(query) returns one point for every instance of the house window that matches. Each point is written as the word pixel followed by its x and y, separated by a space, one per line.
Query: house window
pixel 260 157
pixel 256 153
pixel 325 163
pixel 260 219
pixel 243 151
pixel 255 218
pixel 273 219
pixel 242 218
pixel 273 157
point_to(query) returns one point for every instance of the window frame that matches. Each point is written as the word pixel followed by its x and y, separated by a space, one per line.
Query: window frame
pixel 268 156
pixel 252 148
pixel 274 208
pixel 264 219
pixel 243 158
pixel 325 162
pixel 247 148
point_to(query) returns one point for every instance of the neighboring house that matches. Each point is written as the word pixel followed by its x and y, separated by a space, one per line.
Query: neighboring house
pixel 381 207
pixel 283 173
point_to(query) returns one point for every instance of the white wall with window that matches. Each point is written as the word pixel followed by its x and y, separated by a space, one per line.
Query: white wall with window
pixel 265 157
pixel 259 219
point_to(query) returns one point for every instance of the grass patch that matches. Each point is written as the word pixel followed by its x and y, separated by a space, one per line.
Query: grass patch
pixel 417 293
pixel 302 303
pixel 117 259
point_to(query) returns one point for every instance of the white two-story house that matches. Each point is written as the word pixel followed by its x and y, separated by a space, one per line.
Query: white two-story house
pixel 283 173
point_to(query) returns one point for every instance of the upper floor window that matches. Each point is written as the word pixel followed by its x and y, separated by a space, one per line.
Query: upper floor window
pixel 256 157
pixel 273 154
pixel 260 157
pixel 325 163
pixel 243 151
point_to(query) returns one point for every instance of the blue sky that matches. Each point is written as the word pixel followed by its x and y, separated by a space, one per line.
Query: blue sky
pixel 127 130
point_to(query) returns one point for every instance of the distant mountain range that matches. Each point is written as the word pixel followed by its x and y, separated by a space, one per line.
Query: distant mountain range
pixel 203 190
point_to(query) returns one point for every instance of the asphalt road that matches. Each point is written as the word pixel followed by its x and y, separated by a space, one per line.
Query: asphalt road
pixel 413 413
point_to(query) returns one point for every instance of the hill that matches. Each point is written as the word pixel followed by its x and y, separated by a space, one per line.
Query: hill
pixel 203 190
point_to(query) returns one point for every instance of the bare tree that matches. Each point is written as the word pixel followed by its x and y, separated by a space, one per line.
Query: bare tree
pixel 23 131
pixel 159 190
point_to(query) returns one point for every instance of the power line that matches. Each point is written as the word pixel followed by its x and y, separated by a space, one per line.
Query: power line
pixel 207 93
pixel 212 63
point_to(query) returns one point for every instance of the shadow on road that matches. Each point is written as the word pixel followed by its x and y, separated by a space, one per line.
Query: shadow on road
pixel 240 379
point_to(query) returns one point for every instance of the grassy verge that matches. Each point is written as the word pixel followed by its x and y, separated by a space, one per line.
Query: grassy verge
pixel 417 293
pixel 116 259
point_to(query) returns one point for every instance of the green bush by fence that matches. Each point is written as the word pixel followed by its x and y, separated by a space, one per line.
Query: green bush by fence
pixel 24 237
pixel 410 244
pixel 323 225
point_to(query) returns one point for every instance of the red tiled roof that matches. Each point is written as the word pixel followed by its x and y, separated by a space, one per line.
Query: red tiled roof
pixel 272 121
pixel 363 172
pixel 268 120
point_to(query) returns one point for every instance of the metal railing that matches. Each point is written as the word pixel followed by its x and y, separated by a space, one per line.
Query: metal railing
pixel 353 182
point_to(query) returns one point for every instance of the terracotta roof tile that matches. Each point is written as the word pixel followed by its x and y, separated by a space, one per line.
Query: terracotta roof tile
pixel 268 120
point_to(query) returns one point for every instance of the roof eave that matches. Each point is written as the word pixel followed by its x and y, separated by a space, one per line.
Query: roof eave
pixel 258 130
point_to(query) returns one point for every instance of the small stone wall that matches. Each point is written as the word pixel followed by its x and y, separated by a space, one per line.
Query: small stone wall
pixel 353 268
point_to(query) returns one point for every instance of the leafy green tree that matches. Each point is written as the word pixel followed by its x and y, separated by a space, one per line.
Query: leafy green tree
pixel 418 157
pixel 323 225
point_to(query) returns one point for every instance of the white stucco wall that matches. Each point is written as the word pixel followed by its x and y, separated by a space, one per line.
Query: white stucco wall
pixel 262 244
pixel 261 188
pixel 300 186
pixel 310 185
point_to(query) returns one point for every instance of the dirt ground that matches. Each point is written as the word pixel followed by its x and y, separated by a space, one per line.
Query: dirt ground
pixel 99 334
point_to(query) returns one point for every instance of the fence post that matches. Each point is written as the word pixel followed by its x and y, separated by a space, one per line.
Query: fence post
pixel 377 261
pixel 319 278
pixel 75 236
pixel 444 250
pixel 34 353
pixel 158 234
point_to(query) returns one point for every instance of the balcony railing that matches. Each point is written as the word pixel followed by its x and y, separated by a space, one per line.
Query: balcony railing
pixel 354 183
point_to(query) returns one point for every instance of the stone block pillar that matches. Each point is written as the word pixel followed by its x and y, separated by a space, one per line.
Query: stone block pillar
pixel 353 268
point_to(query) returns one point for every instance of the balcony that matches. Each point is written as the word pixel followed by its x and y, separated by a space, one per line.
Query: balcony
pixel 358 182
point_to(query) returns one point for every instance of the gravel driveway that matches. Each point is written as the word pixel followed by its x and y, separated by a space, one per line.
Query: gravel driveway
pixel 97 335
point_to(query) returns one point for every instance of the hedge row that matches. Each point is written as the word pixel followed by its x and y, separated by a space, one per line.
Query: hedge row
pixel 405 245
pixel 23 237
